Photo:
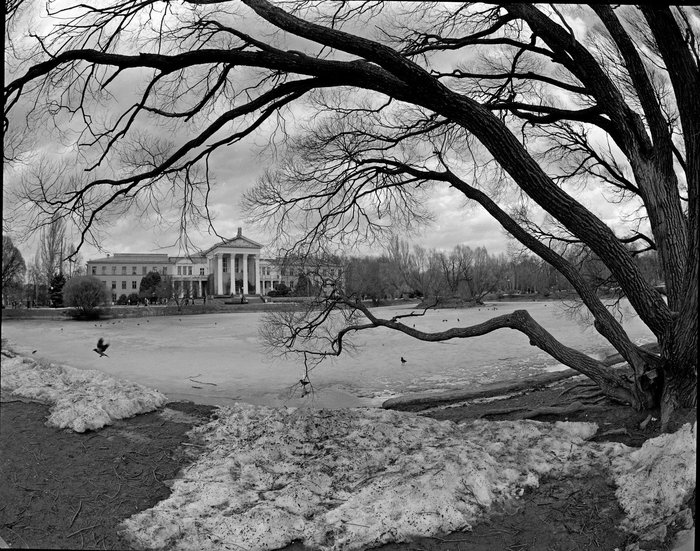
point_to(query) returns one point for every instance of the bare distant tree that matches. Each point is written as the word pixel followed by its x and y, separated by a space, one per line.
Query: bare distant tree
pixel 75 261
pixel 495 101
pixel 13 265
pixel 52 248
pixel 13 268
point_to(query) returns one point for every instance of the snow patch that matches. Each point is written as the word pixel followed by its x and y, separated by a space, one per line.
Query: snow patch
pixel 352 479
pixel 655 480
pixel 83 399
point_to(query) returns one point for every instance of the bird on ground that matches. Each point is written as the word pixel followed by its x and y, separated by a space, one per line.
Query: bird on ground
pixel 402 360
pixel 33 351
pixel 101 347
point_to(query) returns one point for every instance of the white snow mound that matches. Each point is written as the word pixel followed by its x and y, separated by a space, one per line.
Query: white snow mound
pixel 352 479
pixel 655 480
pixel 83 399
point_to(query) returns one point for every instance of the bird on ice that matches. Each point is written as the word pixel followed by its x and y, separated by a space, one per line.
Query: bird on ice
pixel 101 347
pixel 402 360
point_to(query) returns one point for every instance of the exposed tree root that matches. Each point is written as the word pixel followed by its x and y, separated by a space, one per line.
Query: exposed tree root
pixel 587 384
pixel 526 413
pixel 583 396
pixel 503 411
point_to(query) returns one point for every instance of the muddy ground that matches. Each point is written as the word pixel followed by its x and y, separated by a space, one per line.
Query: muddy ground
pixel 64 490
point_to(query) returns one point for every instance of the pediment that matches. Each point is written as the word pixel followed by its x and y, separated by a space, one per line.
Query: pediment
pixel 238 242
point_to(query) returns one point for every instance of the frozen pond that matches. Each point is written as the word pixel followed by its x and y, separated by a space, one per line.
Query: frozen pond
pixel 177 355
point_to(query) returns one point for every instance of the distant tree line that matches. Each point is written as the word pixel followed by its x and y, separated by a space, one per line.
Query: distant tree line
pixel 40 282
pixel 469 274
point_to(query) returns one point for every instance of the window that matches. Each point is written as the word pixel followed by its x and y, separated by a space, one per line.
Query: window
pixel 189 270
pixel 165 270
pixel 123 270
pixel 114 270
pixel 114 298
pixel 114 284
pixel 179 270
pixel 104 270
pixel 133 284
pixel 201 271
pixel 133 270
pixel 123 284
pixel 144 270
pixel 94 270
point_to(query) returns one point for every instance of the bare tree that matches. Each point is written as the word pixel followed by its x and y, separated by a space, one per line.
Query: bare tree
pixel 13 267
pixel 52 248
pixel 495 101
pixel 75 261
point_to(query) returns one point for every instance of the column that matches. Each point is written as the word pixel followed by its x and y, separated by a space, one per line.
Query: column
pixel 234 273
pixel 245 274
pixel 219 274
pixel 257 274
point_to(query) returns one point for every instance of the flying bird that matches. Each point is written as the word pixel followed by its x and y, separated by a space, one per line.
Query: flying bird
pixel 101 347
pixel 402 360
pixel 33 351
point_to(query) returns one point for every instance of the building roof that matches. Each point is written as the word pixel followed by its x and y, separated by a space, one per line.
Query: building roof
pixel 125 258
pixel 200 258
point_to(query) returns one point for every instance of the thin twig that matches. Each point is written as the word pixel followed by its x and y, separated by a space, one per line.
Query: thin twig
pixel 116 493
pixel 82 530
pixel 80 506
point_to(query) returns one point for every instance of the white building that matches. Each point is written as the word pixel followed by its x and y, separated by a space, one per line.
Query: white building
pixel 234 267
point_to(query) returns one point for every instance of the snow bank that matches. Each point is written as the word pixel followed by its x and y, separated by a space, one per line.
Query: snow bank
pixel 655 480
pixel 83 399
pixel 351 479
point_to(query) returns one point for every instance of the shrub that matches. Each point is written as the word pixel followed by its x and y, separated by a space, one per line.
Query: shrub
pixel 133 298
pixel 85 295
pixel 280 290
pixel 122 300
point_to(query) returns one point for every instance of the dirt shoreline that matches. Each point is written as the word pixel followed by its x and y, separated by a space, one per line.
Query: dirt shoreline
pixel 64 490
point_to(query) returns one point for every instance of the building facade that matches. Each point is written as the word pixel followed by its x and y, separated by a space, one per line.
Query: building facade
pixel 234 267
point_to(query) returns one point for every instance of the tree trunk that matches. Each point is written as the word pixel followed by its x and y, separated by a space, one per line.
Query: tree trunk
pixel 679 352
pixel 680 387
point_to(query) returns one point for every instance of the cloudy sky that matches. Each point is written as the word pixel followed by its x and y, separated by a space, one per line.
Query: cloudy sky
pixel 237 168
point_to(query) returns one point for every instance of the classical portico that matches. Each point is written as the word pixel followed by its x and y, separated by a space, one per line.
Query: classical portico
pixel 235 264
